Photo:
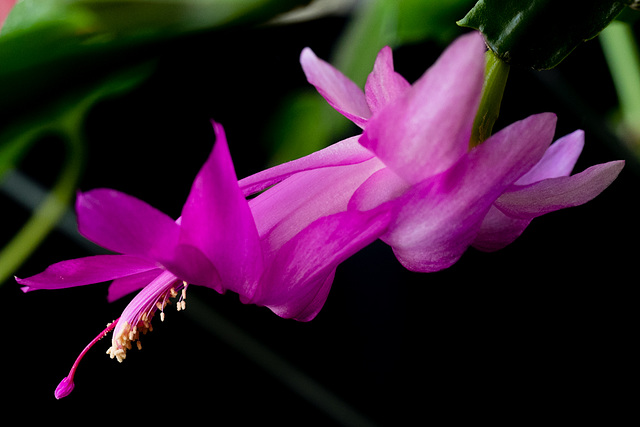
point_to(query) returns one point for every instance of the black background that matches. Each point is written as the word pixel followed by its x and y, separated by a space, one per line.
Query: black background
pixel 541 330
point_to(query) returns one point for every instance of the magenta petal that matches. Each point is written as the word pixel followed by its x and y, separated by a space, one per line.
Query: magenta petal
pixel 498 230
pixel 125 224
pixel 190 265
pixel 297 284
pixel 307 301
pixel 381 187
pixel 216 219
pixel 427 129
pixel 125 285
pixel 384 84
pixel 432 228
pixel 439 218
pixel 340 92
pixel 284 210
pixel 557 193
pixel 86 271
pixel 345 152
pixel 558 160
pixel 523 203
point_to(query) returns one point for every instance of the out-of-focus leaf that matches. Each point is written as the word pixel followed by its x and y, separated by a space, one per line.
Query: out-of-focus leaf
pixel 45 44
pixel 420 20
pixel 539 33
pixel 146 16
pixel 17 136
pixel 63 119
pixel 299 127
pixel 621 52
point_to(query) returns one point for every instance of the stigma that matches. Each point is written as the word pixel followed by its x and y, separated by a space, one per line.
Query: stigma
pixel 136 317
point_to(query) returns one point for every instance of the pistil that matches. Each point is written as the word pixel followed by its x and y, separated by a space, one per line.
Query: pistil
pixel 66 385
pixel 135 319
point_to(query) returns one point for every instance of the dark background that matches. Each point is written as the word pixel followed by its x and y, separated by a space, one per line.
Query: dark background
pixel 540 331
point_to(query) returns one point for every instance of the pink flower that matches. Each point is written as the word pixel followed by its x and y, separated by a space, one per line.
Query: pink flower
pixel 287 264
pixel 409 179
pixel 413 161
pixel 214 244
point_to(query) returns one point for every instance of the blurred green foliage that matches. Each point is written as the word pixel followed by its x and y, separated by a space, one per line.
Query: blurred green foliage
pixel 58 58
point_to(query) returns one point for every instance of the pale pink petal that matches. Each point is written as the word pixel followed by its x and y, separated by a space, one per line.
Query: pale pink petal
pixel 498 230
pixel 217 220
pixel 427 130
pixel 124 224
pixel 381 187
pixel 439 218
pixel 345 152
pixel 284 210
pixel 558 160
pixel 86 271
pixel 523 203
pixel 339 91
pixel 383 84
pixel 557 193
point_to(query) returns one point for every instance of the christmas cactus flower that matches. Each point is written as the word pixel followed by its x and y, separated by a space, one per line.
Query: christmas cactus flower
pixel 286 264
pixel 410 179
pixel 414 159
pixel 214 244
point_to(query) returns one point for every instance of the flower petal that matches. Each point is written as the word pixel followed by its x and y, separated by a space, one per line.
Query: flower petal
pixel 86 271
pixel 128 284
pixel 125 224
pixel 190 265
pixel 523 203
pixel 340 92
pixel 498 230
pixel 297 283
pixel 381 187
pixel 439 218
pixel 284 210
pixel 383 84
pixel 557 193
pixel 558 160
pixel 217 220
pixel 345 152
pixel 427 130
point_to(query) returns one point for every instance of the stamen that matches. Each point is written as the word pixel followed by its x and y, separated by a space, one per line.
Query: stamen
pixel 137 316
pixel 66 385
pixel 182 304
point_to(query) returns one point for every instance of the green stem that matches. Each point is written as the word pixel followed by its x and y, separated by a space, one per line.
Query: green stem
pixel 495 80
pixel 49 212
pixel 621 53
